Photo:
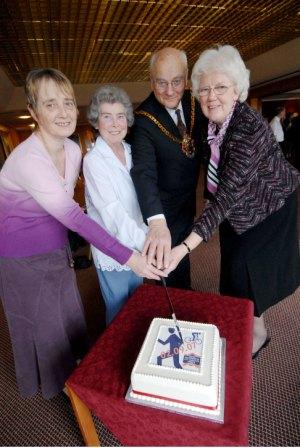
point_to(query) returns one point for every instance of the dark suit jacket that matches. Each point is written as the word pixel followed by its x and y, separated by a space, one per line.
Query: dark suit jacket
pixel 254 177
pixel 164 177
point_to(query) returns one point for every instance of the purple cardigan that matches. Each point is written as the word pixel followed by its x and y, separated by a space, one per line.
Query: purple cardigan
pixel 254 177
pixel 37 206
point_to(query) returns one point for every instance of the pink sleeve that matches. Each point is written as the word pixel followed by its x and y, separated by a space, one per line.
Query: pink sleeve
pixel 39 178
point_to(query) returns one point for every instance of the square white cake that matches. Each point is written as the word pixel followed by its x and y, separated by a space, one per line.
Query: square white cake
pixel 179 368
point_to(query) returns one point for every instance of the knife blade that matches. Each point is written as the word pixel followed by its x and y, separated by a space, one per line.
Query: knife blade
pixel 171 308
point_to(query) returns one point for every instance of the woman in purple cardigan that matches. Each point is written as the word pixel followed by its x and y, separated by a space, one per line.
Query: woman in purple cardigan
pixel 252 192
pixel 37 285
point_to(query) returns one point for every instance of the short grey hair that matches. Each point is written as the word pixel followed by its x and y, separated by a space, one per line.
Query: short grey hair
pixel 225 59
pixel 157 54
pixel 109 94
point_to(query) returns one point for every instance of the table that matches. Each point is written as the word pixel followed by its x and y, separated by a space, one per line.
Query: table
pixel 99 384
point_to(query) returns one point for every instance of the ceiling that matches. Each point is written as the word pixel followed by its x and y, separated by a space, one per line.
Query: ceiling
pixel 94 41
pixel 110 41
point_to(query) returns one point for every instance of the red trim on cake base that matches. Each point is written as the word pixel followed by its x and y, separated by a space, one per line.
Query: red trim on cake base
pixel 211 408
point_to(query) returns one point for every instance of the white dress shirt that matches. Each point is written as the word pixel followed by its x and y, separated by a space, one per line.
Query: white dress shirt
pixel 277 128
pixel 111 200
pixel 172 112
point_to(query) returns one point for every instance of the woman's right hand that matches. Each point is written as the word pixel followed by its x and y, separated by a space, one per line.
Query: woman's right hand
pixel 177 254
pixel 138 263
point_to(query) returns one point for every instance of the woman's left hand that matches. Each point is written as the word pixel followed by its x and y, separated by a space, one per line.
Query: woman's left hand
pixel 177 254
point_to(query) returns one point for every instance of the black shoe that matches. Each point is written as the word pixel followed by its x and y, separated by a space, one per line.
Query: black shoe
pixel 265 344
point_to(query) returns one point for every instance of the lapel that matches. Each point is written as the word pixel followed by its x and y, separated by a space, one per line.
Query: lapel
pixel 186 106
pixel 109 157
pixel 164 118
pixel 230 130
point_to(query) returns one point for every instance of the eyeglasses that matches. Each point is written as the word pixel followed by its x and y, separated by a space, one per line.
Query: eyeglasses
pixel 218 90
pixel 161 84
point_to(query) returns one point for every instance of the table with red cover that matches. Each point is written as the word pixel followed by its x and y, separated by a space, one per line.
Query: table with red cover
pixel 103 377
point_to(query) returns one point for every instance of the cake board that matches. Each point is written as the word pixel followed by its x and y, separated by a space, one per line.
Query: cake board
pixel 205 414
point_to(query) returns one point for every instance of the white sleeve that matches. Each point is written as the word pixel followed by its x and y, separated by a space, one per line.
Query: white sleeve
pixel 109 207
pixel 275 128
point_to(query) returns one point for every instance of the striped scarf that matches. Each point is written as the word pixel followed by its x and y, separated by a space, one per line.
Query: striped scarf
pixel 215 140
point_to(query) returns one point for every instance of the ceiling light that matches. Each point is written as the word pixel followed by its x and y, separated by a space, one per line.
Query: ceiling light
pixel 32 125
pixel 24 117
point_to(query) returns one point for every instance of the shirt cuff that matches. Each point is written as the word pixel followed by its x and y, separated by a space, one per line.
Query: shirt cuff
pixel 159 216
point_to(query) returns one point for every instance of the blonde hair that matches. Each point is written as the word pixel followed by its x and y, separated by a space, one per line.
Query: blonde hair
pixel 34 79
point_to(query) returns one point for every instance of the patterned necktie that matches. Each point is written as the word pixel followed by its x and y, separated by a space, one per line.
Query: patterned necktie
pixel 180 124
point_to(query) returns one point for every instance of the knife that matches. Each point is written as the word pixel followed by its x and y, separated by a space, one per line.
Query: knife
pixel 171 308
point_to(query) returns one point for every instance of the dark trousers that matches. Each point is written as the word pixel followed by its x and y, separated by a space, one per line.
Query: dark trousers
pixel 181 276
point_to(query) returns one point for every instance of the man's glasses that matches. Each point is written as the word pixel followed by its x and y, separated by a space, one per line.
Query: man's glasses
pixel 218 90
pixel 161 84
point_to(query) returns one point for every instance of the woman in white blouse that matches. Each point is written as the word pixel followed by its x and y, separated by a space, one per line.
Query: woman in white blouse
pixel 110 195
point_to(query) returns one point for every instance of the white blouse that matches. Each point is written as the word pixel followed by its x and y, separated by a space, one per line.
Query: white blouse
pixel 111 200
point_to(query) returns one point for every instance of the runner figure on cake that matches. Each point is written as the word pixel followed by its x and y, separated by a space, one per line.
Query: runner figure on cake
pixel 175 342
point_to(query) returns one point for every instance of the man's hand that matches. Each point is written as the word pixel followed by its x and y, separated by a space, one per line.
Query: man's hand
pixel 138 263
pixel 157 246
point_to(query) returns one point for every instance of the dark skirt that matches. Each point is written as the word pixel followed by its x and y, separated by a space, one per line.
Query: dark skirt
pixel 263 263
pixel 45 318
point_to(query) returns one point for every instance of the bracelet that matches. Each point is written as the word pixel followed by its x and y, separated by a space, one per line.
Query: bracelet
pixel 186 245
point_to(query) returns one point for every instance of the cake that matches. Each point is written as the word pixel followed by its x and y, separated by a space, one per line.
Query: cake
pixel 179 368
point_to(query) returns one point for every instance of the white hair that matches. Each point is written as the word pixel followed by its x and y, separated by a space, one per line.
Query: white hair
pixel 166 52
pixel 225 59
pixel 109 94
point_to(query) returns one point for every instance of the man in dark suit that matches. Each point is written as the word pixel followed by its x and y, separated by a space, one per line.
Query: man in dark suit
pixel 166 141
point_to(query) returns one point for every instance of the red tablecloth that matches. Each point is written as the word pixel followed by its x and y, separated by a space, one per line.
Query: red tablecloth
pixel 103 377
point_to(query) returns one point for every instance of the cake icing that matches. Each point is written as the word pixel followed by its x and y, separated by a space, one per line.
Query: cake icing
pixel 182 371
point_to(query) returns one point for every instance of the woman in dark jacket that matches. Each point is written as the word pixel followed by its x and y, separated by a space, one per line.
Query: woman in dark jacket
pixel 252 192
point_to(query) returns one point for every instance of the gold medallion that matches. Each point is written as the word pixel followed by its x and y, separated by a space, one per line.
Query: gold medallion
pixel 188 146
pixel 186 142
